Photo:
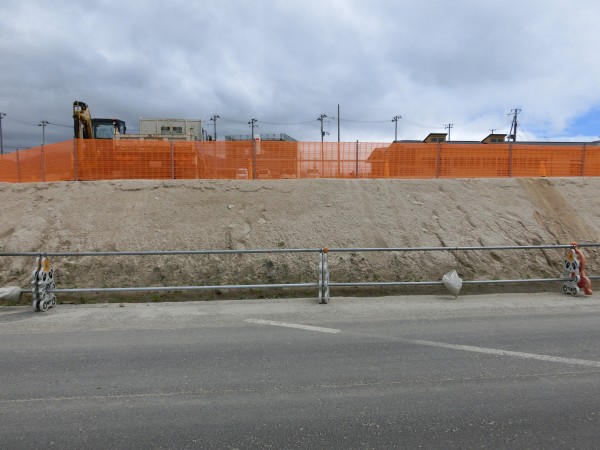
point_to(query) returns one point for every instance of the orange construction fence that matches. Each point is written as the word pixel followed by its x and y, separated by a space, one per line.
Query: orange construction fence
pixel 103 159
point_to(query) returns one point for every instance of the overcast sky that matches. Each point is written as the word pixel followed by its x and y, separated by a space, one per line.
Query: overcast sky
pixel 433 62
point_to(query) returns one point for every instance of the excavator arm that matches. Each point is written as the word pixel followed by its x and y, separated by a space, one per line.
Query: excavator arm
pixel 82 121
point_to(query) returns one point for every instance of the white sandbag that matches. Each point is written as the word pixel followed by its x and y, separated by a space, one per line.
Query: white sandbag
pixel 10 293
pixel 452 282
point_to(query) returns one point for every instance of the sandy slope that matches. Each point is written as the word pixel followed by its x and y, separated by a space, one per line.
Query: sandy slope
pixel 224 214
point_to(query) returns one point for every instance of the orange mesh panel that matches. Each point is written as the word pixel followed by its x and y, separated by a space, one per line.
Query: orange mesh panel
pixel 30 165
pixel 407 160
pixel 58 162
pixel 546 160
pixel 102 159
pixel 187 161
pixel 334 160
pixel 9 169
pixel 592 162
pixel 277 159
pixel 222 159
pixel 474 160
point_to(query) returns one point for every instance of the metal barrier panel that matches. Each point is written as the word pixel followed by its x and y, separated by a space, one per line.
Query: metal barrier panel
pixel 44 286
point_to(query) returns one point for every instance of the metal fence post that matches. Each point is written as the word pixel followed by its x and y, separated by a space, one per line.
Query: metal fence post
pixel 357 158
pixel 75 161
pixel 510 160
pixel 439 160
pixel 583 151
pixel 18 168
pixel 43 163
pixel 172 161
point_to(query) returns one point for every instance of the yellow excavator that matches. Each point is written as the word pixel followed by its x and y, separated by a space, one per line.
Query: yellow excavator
pixel 87 128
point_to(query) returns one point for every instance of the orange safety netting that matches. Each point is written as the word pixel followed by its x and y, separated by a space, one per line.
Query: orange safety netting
pixel 103 159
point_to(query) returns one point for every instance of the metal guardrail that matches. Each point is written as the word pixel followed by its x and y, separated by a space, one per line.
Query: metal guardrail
pixel 322 285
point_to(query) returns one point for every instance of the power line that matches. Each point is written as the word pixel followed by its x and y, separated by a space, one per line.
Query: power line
pixel 434 127
pixel 241 122
pixel 287 123
pixel 60 125
pixel 20 121
pixel 363 121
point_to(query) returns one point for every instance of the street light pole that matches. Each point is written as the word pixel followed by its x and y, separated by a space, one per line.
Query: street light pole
pixel 1 143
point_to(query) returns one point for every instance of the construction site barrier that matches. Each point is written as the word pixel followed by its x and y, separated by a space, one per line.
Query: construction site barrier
pixel 103 159
pixel 323 285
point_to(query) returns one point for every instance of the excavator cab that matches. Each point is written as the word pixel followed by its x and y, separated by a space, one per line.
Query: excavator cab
pixel 87 128
pixel 107 128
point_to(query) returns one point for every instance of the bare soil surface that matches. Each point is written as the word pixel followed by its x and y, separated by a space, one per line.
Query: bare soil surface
pixel 134 215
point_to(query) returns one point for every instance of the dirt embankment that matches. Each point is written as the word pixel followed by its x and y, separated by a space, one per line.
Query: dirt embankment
pixel 223 214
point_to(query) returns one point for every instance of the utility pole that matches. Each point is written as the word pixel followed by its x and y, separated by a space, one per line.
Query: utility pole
pixel 214 120
pixel 1 143
pixel 338 119
pixel 395 119
pixel 339 162
pixel 43 124
pixel 513 127
pixel 251 123
pixel 449 127
pixel 320 119
pixel 254 171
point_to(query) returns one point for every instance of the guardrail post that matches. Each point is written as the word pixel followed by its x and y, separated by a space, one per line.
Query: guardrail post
pixel 323 276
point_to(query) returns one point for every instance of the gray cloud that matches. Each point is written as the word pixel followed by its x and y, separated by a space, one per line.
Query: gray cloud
pixel 467 62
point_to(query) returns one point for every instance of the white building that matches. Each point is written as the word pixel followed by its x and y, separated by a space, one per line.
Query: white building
pixel 188 129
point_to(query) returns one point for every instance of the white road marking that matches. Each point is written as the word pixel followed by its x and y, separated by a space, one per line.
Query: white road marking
pixel 293 325
pixel 494 351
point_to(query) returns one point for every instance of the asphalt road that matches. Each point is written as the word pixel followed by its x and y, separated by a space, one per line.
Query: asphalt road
pixel 507 371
